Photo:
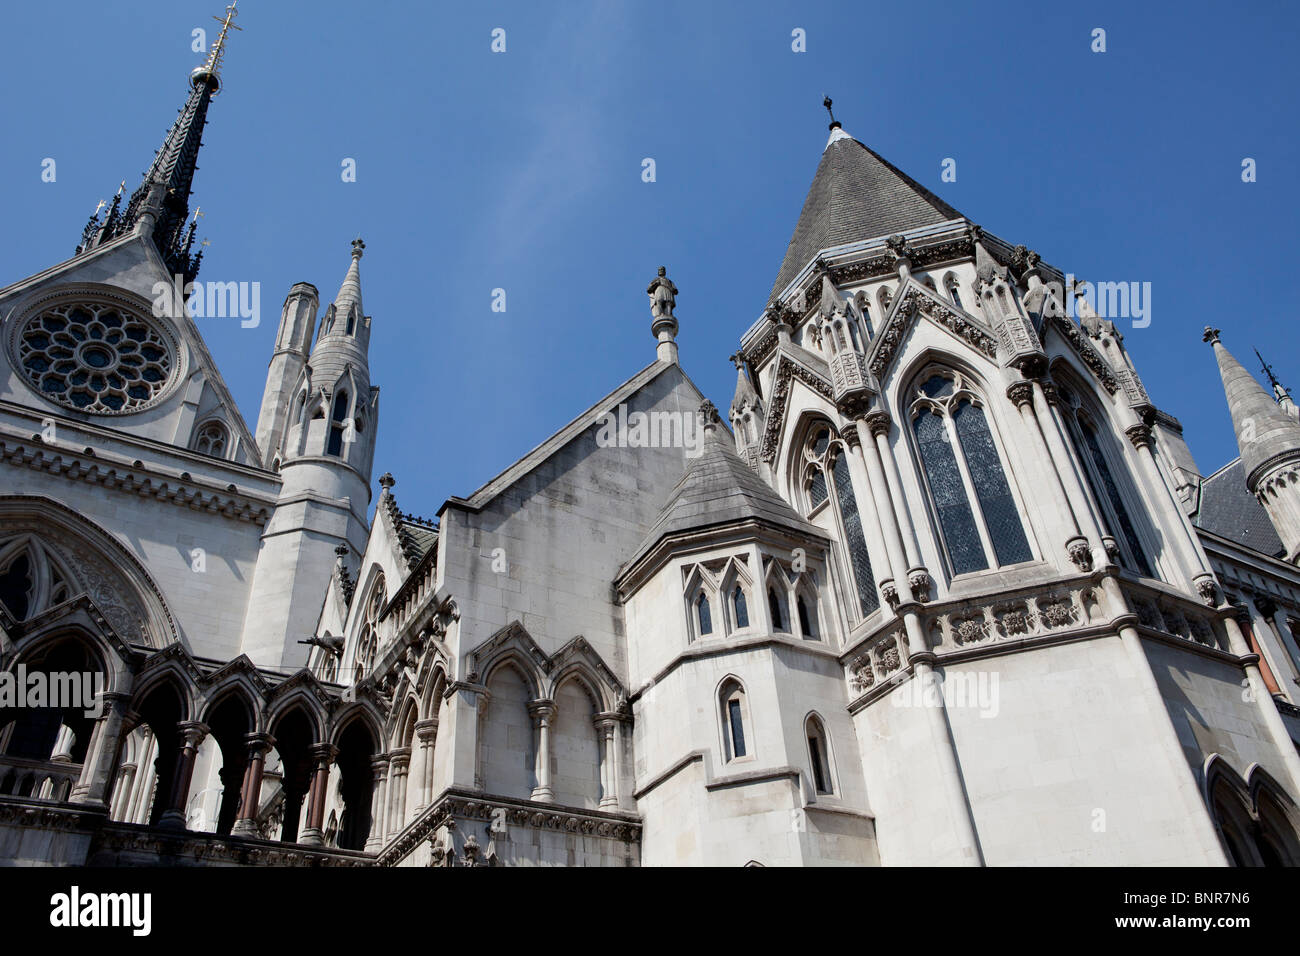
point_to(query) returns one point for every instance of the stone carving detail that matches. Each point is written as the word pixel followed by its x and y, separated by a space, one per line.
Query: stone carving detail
pixel 1207 589
pixel 883 656
pixel 785 373
pixel 889 591
pixel 915 302
pixel 1091 357
pixel 1080 553
pixel 920 581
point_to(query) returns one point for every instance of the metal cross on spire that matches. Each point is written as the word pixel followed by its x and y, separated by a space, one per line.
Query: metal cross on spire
pixel 835 124
pixel 213 64
pixel 1279 390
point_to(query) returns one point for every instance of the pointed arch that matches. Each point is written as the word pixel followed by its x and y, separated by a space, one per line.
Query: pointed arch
pixel 737 729
pixel 821 763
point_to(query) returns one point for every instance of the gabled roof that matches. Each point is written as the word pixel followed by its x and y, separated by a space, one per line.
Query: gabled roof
pixel 1228 510
pixel 719 489
pixel 855 195
pixel 539 455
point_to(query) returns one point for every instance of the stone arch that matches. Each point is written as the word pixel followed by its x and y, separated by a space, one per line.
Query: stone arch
pixel 357 737
pixel 575 740
pixel 505 768
pixel 106 572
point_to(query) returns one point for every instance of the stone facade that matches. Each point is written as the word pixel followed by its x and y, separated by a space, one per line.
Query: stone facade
pixel 950 591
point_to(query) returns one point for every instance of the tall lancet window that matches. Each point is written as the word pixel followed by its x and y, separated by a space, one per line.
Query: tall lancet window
pixel 826 483
pixel 954 290
pixel 1106 490
pixel 978 516
pixel 338 424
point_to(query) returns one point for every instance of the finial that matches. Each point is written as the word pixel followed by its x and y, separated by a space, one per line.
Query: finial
pixel 1210 335
pixel 835 124
pixel 100 206
pixel 358 248
pixel 738 360
pixel 709 411
pixel 386 481
pixel 663 299
pixel 341 550
pixel 1279 390
pixel 211 69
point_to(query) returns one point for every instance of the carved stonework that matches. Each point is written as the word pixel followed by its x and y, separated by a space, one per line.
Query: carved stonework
pixel 920 581
pixel 1091 357
pixel 879 423
pixel 1080 554
pixel 1140 436
pixel 889 592
pixel 786 372
pixel 1021 393
pixel 916 302
pixel 1207 589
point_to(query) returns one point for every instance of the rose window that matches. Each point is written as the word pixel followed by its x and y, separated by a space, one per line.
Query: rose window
pixel 95 357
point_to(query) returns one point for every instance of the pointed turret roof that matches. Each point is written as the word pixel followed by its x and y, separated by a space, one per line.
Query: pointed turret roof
pixel 745 395
pixel 1265 433
pixel 856 194
pixel 719 489
pixel 350 290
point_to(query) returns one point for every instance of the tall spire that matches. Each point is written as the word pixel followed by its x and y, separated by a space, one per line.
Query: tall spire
pixel 159 206
pixel 1266 435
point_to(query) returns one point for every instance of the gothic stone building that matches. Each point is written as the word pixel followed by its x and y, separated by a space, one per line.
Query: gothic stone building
pixel 950 589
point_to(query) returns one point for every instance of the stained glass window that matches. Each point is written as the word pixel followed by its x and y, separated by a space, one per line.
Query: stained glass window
pixel 854 538
pixel 948 492
pixel 1115 498
pixel 1001 516
pixel 975 507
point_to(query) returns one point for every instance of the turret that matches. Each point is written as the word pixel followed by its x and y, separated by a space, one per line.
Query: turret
pixel 326 446
pixel 292 343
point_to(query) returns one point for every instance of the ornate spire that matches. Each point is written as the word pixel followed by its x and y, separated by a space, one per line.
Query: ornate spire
pixel 745 396
pixel 159 206
pixel 1266 435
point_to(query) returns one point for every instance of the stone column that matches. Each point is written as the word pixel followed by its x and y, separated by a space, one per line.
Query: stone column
pixel 426 732
pixel 123 792
pixel 192 733
pixel 543 711
pixel 879 424
pixel 1045 401
pixel 1277 731
pixel 322 758
pixel 136 809
pixel 1187 550
pixel 1077 545
pixel 862 493
pixel 607 726
pixel 103 752
pixel 251 792
pixel 884 508
pixel 398 770
pixel 375 841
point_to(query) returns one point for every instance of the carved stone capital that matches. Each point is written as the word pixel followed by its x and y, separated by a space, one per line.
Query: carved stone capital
pixel 1051 393
pixel 1207 588
pixel 1140 436
pixel 920 581
pixel 889 592
pixel 850 435
pixel 879 423
pixel 1021 393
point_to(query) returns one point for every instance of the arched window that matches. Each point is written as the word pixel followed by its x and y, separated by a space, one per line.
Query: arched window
pixel 826 457
pixel 807 617
pixel 368 641
pixel 735 715
pixel 1088 448
pixel 819 755
pixel 776 607
pixel 862 302
pixel 31 577
pixel 338 424
pixel 953 289
pixel 979 518
pixel 703 619
pixel 739 608
pixel 210 439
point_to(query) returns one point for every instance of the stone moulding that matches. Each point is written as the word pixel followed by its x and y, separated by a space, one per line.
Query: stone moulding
pixel 786 372
pixel 456 804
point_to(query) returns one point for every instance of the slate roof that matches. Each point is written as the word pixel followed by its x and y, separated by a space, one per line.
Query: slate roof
pixel 1230 511
pixel 855 195
pixel 717 489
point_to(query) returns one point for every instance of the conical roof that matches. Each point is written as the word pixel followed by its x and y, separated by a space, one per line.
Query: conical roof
pixel 718 489
pixel 1265 433
pixel 855 195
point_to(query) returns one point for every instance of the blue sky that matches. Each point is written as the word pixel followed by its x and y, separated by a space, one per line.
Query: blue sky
pixel 522 171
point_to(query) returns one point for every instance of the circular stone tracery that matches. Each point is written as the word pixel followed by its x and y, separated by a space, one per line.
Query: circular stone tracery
pixel 95 357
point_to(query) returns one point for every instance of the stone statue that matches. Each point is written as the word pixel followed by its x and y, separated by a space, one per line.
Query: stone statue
pixel 663 296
